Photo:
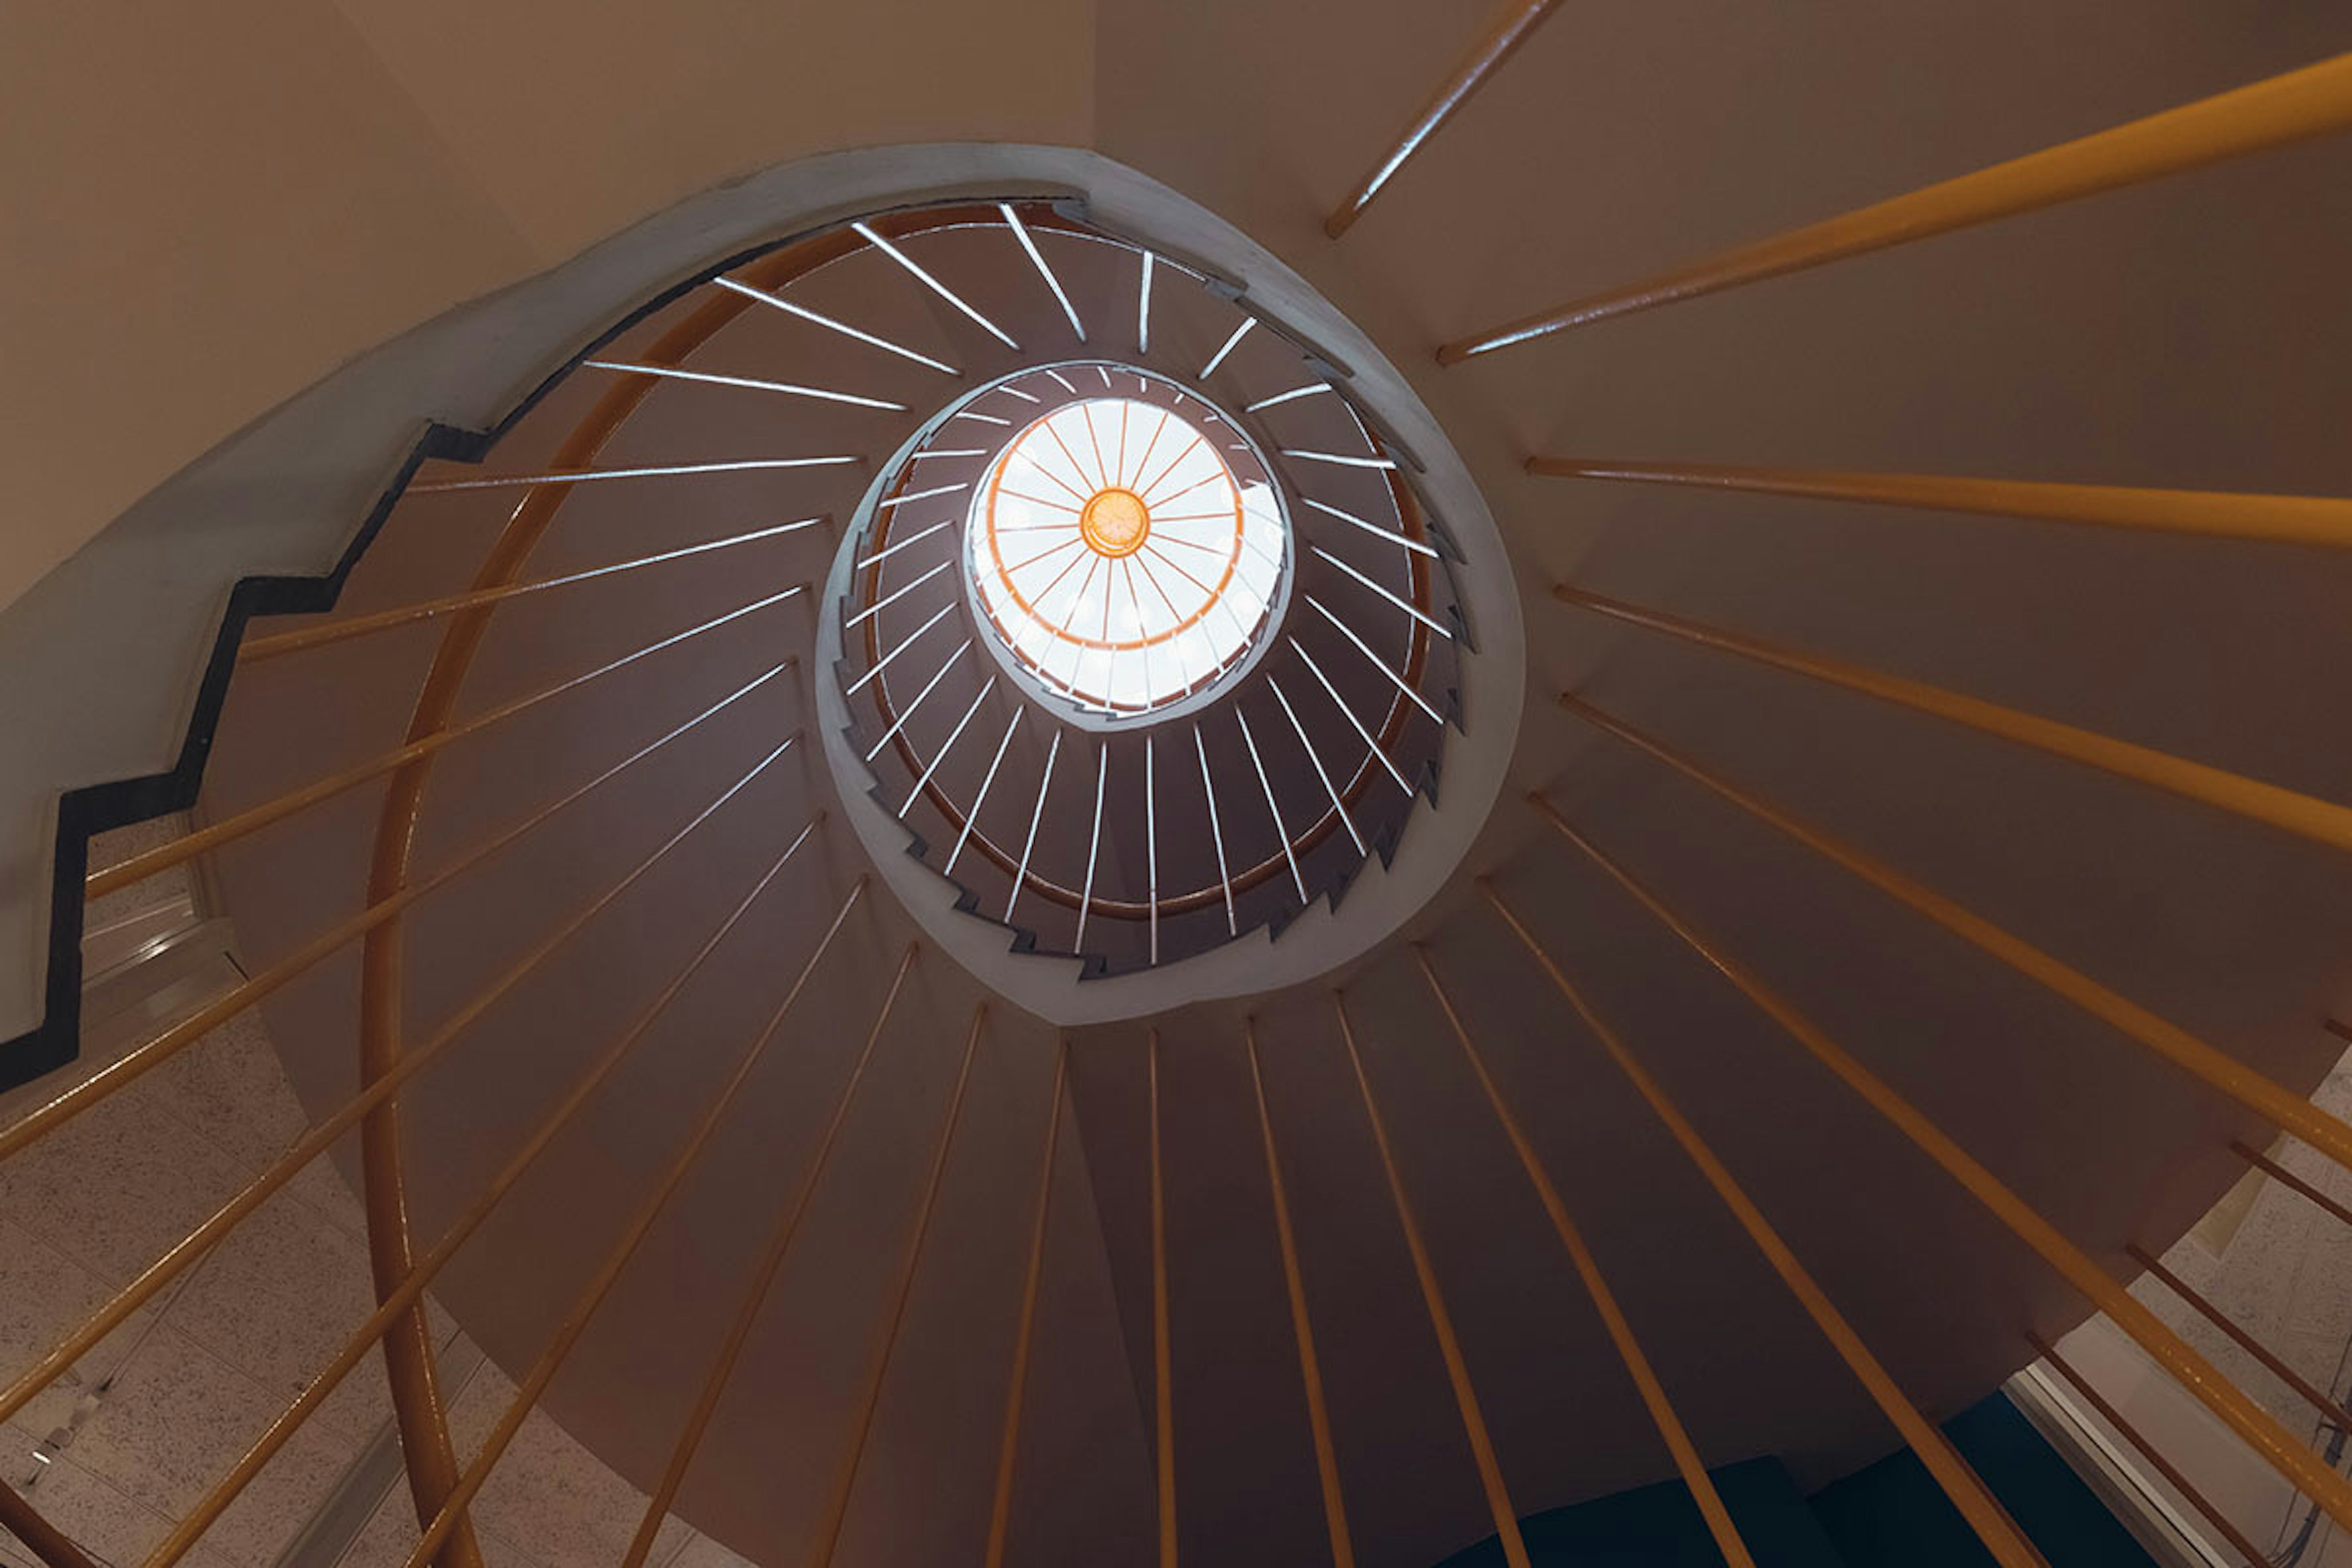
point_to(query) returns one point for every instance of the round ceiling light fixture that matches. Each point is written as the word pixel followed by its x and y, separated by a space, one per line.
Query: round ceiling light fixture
pixel 1126 552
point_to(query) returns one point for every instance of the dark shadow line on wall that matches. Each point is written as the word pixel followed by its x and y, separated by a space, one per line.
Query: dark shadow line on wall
pixel 84 812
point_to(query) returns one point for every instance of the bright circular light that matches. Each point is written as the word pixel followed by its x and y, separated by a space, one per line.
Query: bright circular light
pixel 1118 559
pixel 1114 522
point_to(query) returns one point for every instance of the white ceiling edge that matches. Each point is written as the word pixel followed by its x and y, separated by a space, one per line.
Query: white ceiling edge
pixel 104 654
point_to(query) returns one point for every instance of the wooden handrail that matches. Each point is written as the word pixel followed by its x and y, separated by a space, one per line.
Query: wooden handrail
pixel 211 836
pixel 2295 107
pixel 2285 1177
pixel 1302 1328
pixel 2253 1425
pixel 2309 1391
pixel 755 1290
pixel 2218 514
pixel 1440 1322
pixel 2307 816
pixel 1008 1446
pixel 418 1409
pixel 1513 23
pixel 1959 1482
pixel 1685 1453
pixel 254 651
pixel 2254 1555
pixel 410 1291
pixel 53 1546
pixel 2209 1064
pixel 1163 1361
pixel 93 1329
pixel 837 1513
pixel 127 1069
pixel 590 1296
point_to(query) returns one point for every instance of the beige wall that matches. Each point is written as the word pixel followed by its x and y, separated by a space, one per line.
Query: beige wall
pixel 207 209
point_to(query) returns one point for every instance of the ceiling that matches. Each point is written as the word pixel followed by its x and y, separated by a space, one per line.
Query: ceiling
pixel 2190 333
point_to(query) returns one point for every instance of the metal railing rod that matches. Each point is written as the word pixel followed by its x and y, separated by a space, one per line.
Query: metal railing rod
pixel 1692 1469
pixel 657 471
pixel 1511 26
pixel 828 1535
pixel 1273 810
pixel 2255 1556
pixel 1163 1361
pixel 887 551
pixel 575 1320
pixel 1281 397
pixel 945 747
pixel 792 389
pixel 1037 814
pixel 1385 535
pixel 255 649
pixel 2210 1066
pixel 972 817
pixel 1012 222
pixel 2304 816
pixel 1008 1446
pixel 2256 1427
pixel 1337 806
pixel 1302 1330
pixel 1407 606
pixel 1216 833
pixel 2298 105
pixel 1143 313
pixel 1952 1474
pixel 188 845
pixel 1341 459
pixel 779 303
pixel 905 643
pixel 2280 1174
pixel 763 1276
pixel 884 603
pixel 2310 1392
pixel 45 1541
pixel 1440 1322
pixel 908 712
pixel 404 1297
pixel 1382 664
pixel 897 501
pixel 1094 847
pixel 2221 514
pixel 1371 744
pixel 316 1140
pixel 865 231
pixel 128 1067
pixel 1151 847
pixel 1231 343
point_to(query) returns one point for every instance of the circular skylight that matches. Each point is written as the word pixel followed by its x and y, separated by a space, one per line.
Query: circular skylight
pixel 1118 558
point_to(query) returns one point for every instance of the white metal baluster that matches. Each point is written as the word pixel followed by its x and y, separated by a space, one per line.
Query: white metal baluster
pixel 1266 784
pixel 1309 746
pixel 1371 743
pixel 1217 834
pixel 971 817
pixel 945 747
pixel 1036 815
pixel 1094 847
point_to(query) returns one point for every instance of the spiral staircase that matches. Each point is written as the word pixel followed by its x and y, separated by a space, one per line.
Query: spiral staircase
pixel 1021 864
